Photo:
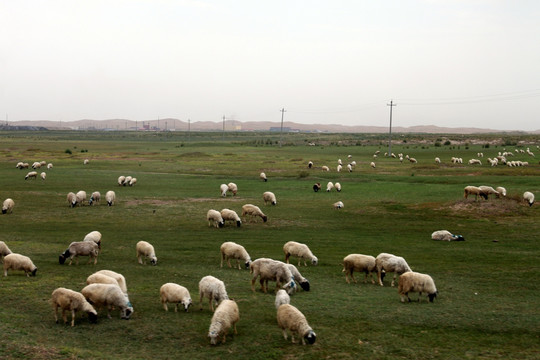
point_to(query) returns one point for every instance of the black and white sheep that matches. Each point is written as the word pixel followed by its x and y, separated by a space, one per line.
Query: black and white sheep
pixel 231 215
pixel 445 235
pixel 31 175
pixel 67 299
pixel 329 186
pixel 19 262
pixel 175 294
pixel 390 263
pixel 231 250
pixel 225 317
pixel 7 206
pixel 271 270
pixel 298 278
pixel 213 289
pixel 94 198
pixel 528 197
pixel 145 250
pixel 338 205
pixel 316 187
pixel 80 248
pixel 290 318
pixel 416 282
pixel 269 197
pixel 253 211
pixel 110 197
pixel 110 296
pixel 214 218
pixel 263 177
pixel 359 263
pixel 299 250
pixel 133 181
pixel 337 186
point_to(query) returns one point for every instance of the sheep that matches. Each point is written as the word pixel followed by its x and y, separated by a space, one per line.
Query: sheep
pixel 302 281
pixel 7 206
pixel 274 270
pixel 4 250
pixel 445 235
pixel 110 197
pixel 412 160
pixel 212 288
pixel 437 160
pixel 263 177
pixel 353 163
pixel 390 263
pixel 133 181
pixel 19 165
pixel 145 250
pixel 36 165
pixel 253 211
pixel 71 199
pixel 282 298
pixel 501 191
pixel 80 197
pixel 372 164
pixel 317 187
pixel 528 197
pixel 339 162
pixel 43 175
pixel 94 236
pixel 128 180
pixel 325 168
pixel 117 276
pixel 225 317
pixel 121 180
pixel 488 190
pixel 94 198
pixel 475 162
pixel 231 215
pixel 214 218
pixel 474 190
pixel 339 167
pixel 338 205
pixel 269 197
pixel 86 161
pixel 310 164
pixel 416 282
pixel 349 167
pixel 299 250
pixel 73 301
pixel 31 174
pixel 337 186
pixel 177 294
pixel 99 278
pixel 19 262
pixel 223 188
pixel 110 296
pixel 329 186
pixel 359 263
pixel 232 188
pixel 49 166
pixel 289 317
pixel 231 250
pixel 80 248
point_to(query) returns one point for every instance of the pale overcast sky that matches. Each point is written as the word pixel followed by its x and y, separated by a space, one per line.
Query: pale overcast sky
pixel 443 62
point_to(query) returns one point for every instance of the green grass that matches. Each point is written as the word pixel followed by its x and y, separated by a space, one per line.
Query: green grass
pixel 487 306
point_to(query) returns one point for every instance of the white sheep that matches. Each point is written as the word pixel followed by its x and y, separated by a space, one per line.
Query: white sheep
pixel 282 298
pixel 36 165
pixel 121 180
pixel 133 181
pixel 128 180
pixel 231 215
pixel 290 318
pixel 231 250
pixel 325 168
pixel 214 218
pixel 263 177
pixel 117 276
pixel 43 175
pixel 49 166
pixel 437 160
pixel 337 186
pixel 310 164
pixel 349 167
pixel 269 197
pixel 94 236
pixel 212 288
pixel 413 160
pixel 416 282
pixel 390 263
pixel 80 248
pixel 298 278
pixel 445 235
pixel 501 191
pixel 7 206
pixel 359 263
pixel 73 301
pixel 95 198
pixel 299 250
pixel 488 190
pixel 474 190
pixel 110 296
pixel 176 294
pixel 31 175
pixel 223 188
pixel 253 211
pixel 329 186
pixel 19 262
pixel 145 250
pixel 271 270
pixel 71 199
pixel 110 197
pixel 475 162
pixel 225 317
pixel 339 167
pixel 4 250
pixel 19 165
pixel 99 278
pixel 80 197
pixel 528 197
pixel 338 205
pixel 232 188
pixel 86 161
pixel 372 164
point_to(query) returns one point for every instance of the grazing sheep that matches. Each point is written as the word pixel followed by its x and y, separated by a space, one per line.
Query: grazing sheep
pixel 269 197
pixel 329 186
pixel 232 188
pixel 99 278
pixel 501 191
pixel 80 197
pixel 299 250
pixel 117 276
pixel 390 263
pixel 349 167
pixel 325 168
pixel 94 198
pixel 19 262
pixel 36 165
pixel 282 298
pixel 19 165
pixel 223 188
pixel 372 164
pixel 263 177
pixel 86 161
pixel 94 236
pixel 317 187
pixel 273 270
pixel 339 167
pixel 359 263
pixel 474 190
pixel 231 250
pixel 337 186
pixel 7 206
pixel 289 317
pixel 31 174
pixel 212 288
pixel 43 176
pixel 174 293
pixel 73 301
pixel 475 162
pixel 413 160
pixel 71 199
pixel 110 296
pixel 302 281
pixel 133 181
pixel 231 215
pixel 338 205
pixel 214 218
pixel 128 180
pixel 488 190
pixel 253 211
pixel 353 163
pixel 437 160
pixel 49 166
pixel 528 197
pixel 416 282
pixel 310 164
pixel 145 250
pixel 4 250
pixel 225 317
pixel 110 197
pixel 80 248
pixel 445 235
pixel 121 180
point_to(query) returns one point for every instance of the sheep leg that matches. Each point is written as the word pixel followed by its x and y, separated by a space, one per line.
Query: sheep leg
pixel 64 316
pixel 235 332
pixel 165 305
pixel 379 277
pixel 176 307
pixel 211 304
pixel 238 264
pixel 393 279
pixel 56 313
pixel 253 283
pixel 222 256
pixel 284 334
pixel 200 301
pixel 229 262
pixel 72 317
pixel 287 257
pixel 263 288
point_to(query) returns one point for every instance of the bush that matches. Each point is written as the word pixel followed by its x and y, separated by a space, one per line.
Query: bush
pixel 68 151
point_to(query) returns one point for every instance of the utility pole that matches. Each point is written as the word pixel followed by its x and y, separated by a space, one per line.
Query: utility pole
pixel 189 129
pixel 390 130
pixel 223 134
pixel 281 129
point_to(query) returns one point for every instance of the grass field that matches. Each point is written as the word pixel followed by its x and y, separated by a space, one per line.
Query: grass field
pixel 488 301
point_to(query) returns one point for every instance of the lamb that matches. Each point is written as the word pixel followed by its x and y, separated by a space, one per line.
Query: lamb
pixel 528 197
pixel 301 251
pixel 325 168
pixel 269 197
pixel 329 186
pixel 225 317
pixel 337 186
pixel 117 276
pixel 390 263
pixel 177 294
pixel 223 188
pixel 110 296
pixel 274 270
pixel 99 278
pixel 416 282
pixel 71 199
pixel 501 191
pixel 121 180
pixel 445 235
pixel 231 215
pixel 232 188
pixel 19 262
pixel 110 197
pixel 474 190
pixel 488 190
pixel 145 250
pixel 80 248
pixel 31 174
pixel 359 263
pixel 263 177
pixel 214 218
pixel 80 197
pixel 338 205
pixel 94 236
pixel 317 187
pixel 133 181
pixel 4 250
pixel 289 317
pixel 7 206
pixel 302 281
pixel 43 175
pixel 94 198
pixel 231 250
pixel 282 298
pixel 253 211
pixel 73 301
pixel 212 288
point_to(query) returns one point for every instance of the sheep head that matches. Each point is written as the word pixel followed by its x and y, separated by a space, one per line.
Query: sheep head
pixel 305 285
pixel 310 337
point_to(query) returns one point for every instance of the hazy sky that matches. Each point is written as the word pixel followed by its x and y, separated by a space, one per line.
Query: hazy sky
pixel 443 62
